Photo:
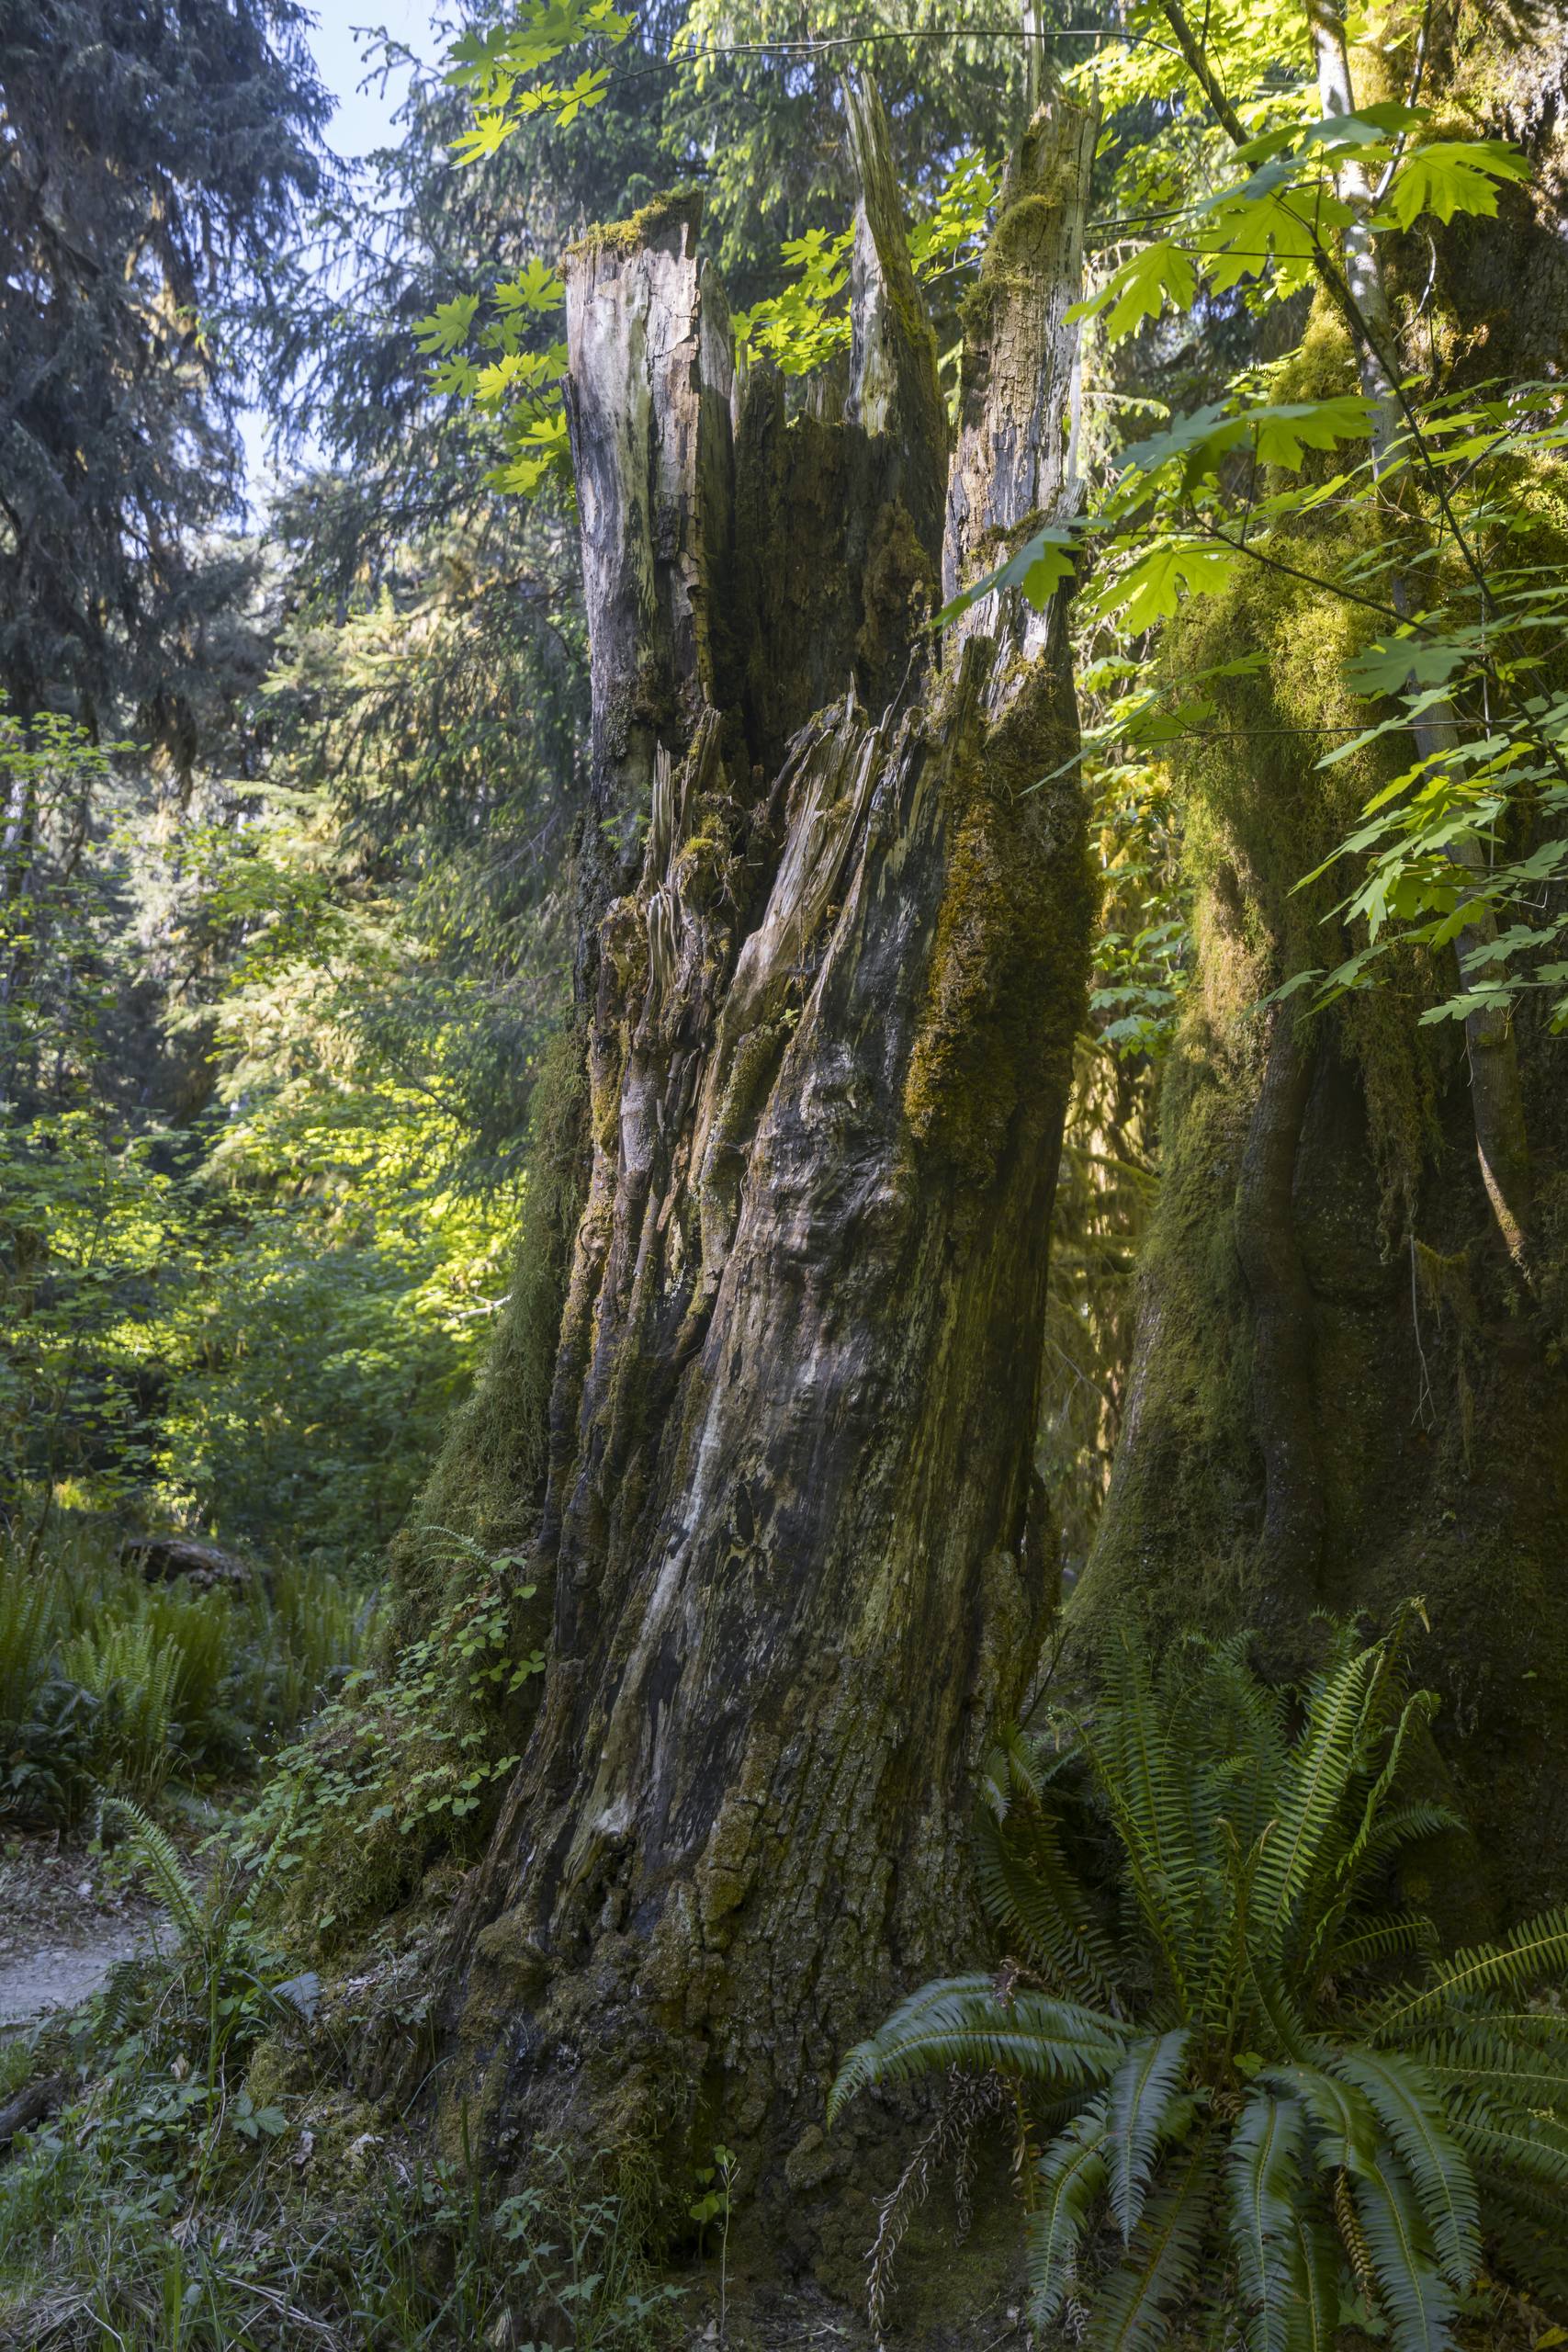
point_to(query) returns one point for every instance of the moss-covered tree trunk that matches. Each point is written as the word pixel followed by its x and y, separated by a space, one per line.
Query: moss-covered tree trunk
pixel 1350 1382
pixel 835 925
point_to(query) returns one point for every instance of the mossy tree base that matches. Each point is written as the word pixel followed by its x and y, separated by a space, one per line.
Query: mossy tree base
pixel 1344 1390
pixel 835 960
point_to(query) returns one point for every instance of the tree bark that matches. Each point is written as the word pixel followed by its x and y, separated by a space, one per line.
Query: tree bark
pixel 1343 1391
pixel 835 921
pixel 1291 1540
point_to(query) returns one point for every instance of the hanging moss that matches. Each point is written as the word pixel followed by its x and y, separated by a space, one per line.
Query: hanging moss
pixel 487 1477
pixel 1439 1409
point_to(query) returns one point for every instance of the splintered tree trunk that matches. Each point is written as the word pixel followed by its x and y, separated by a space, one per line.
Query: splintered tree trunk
pixel 836 911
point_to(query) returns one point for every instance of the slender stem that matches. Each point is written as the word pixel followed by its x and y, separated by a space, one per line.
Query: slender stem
pixel 1292 571
pixel 1333 281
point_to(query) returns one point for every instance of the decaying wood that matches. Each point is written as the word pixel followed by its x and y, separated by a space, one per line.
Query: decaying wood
pixel 30 2106
pixel 161 1559
pixel 839 942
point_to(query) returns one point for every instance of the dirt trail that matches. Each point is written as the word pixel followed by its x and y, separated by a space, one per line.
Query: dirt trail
pixel 61 1930
pixel 61 1975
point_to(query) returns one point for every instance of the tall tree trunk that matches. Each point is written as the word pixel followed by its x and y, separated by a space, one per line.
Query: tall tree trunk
pixel 1502 1136
pixel 836 914
pixel 1343 1391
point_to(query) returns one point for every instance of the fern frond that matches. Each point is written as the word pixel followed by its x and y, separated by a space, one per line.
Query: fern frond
pixel 1495 2044
pixel 1314 2312
pixel 1018 1766
pixel 1496 2054
pixel 1520 2144
pixel 1521 2077
pixel 1404 1936
pixel 1408 1825
pixel 1243 1720
pixel 1536 1949
pixel 156 1848
pixel 1405 2102
pixel 1264 2180
pixel 1285 2019
pixel 1132 1763
pixel 1351 1865
pixel 1531 2243
pixel 1071 2177
pixel 1412 2290
pixel 1535 2029
pixel 1029 1887
pixel 1140 2098
pixel 961 2021
pixel 1312 1788
pixel 1383 1692
pixel 1353 2238
pixel 1342 2123
pixel 1162 2262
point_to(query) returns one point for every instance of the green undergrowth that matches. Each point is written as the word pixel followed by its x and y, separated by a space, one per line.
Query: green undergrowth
pixel 108 1683
pixel 170 2204
pixel 407 1764
pixel 488 1475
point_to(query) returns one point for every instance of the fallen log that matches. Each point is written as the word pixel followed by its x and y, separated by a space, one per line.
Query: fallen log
pixel 161 1558
pixel 30 2106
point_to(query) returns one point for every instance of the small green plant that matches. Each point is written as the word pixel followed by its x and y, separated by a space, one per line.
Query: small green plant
pixel 224 1974
pixel 401 2254
pixel 717 2181
pixel 48 1725
pixel 132 1675
pixel 30 1624
pixel 1257 2085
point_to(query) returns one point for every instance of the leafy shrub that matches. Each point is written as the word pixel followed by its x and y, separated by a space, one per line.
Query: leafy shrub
pixel 163 2126
pixel 47 1755
pixel 413 1757
pixel 132 1675
pixel 29 1622
pixel 1253 2073
pixel 159 2060
pixel 311 1631
pixel 395 2253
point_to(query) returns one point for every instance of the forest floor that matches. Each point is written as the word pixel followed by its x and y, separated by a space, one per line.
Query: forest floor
pixel 64 1922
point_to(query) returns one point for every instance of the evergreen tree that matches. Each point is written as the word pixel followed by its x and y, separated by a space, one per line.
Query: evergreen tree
pixel 153 161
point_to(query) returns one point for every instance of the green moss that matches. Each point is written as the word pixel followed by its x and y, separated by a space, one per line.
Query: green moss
pixel 676 208
pixel 1259 812
pixel 1005 982
pixel 897 590
pixel 1440 1419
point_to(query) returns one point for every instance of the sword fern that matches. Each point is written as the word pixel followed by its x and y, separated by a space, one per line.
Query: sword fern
pixel 1258 2087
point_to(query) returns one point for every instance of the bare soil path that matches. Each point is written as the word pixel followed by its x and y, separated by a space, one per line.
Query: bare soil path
pixel 63 1925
